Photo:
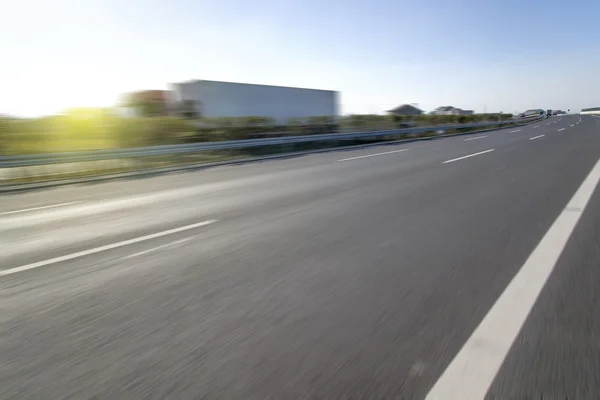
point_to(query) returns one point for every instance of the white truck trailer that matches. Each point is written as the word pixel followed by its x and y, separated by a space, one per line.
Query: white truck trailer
pixel 228 99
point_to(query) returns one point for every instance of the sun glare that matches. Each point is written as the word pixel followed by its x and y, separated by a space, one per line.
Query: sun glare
pixel 62 88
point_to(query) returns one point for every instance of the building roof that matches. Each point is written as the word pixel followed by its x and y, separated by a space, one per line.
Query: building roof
pixel 447 109
pixel 250 84
pixel 405 109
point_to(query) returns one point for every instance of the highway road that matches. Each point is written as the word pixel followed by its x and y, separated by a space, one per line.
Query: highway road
pixel 459 268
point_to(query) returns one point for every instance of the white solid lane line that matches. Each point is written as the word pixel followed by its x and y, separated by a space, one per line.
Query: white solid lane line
pixel 516 130
pixel 372 155
pixel 467 156
pixel 103 248
pixel 475 138
pixel 562 129
pixel 160 247
pixel 39 208
pixel 536 137
pixel 474 368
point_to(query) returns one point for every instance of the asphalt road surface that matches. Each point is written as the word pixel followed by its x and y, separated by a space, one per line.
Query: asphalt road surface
pixel 460 268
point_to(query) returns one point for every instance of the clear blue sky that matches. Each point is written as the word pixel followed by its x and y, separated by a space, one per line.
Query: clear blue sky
pixel 503 55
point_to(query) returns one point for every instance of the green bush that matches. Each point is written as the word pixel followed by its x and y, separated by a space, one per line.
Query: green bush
pixel 88 129
pixel 98 128
pixel 366 122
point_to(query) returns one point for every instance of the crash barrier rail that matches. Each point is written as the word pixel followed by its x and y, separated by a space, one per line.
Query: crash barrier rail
pixel 592 110
pixel 110 154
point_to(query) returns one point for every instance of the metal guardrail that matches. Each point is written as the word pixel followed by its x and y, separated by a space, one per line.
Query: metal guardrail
pixel 108 154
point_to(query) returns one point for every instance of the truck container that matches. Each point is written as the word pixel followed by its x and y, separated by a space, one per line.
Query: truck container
pixel 229 99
